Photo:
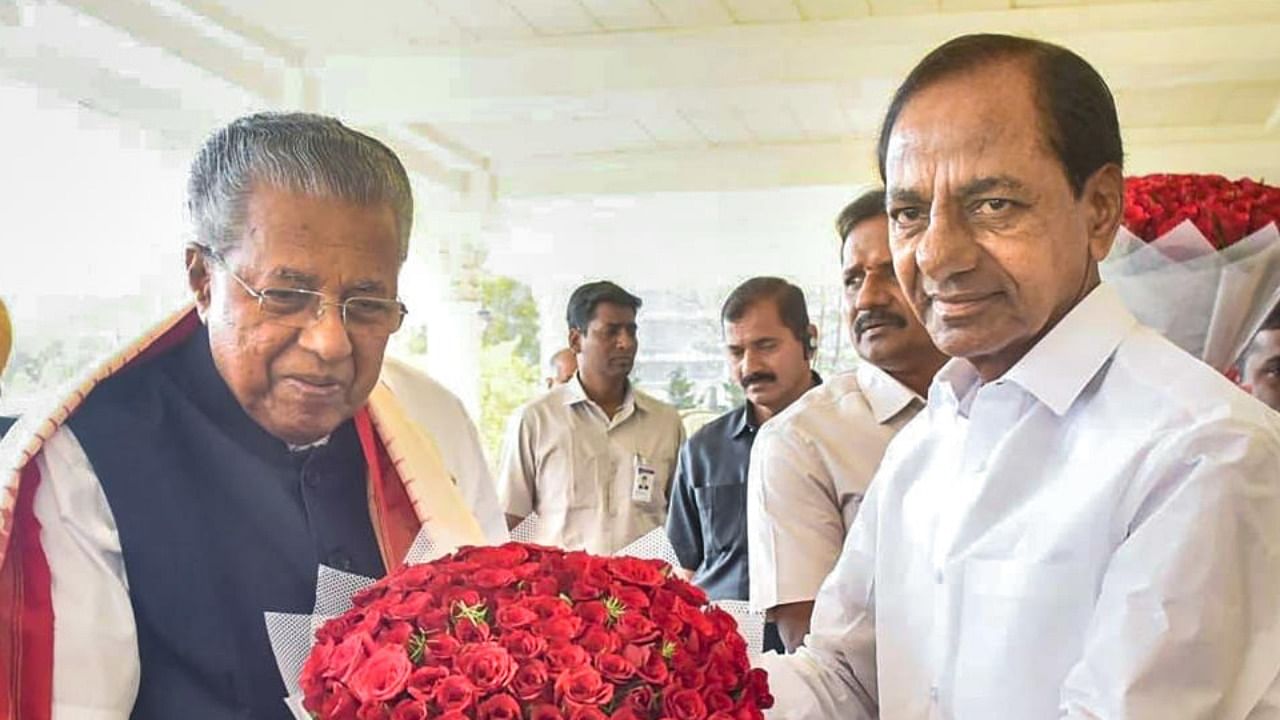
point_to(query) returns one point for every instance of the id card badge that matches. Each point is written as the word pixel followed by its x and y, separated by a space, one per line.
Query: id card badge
pixel 645 478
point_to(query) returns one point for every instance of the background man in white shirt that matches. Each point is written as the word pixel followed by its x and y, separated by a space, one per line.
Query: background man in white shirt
pixel 812 463
pixel 1084 521
pixel 442 414
pixel 1260 364
pixel 561 367
pixel 593 457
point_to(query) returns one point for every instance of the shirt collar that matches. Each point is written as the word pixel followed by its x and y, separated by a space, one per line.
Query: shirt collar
pixel 1056 370
pixel 573 392
pixel 743 421
pixel 886 396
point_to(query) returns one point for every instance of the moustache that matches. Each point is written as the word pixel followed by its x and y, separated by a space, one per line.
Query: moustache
pixel 877 317
pixel 754 378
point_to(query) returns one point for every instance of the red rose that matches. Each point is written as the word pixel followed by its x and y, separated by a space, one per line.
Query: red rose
pixel 530 681
pixel 633 598
pixel 640 699
pixel 422 682
pixel 654 669
pixel 340 705
pixel 493 578
pixel 383 676
pixel 615 668
pixel 647 573
pixel 691 678
pixel 311 678
pixel 592 611
pixel 433 619
pixel 546 586
pixel 720 716
pixel 627 713
pixel 548 607
pixel 598 640
pixel 410 710
pixel 514 617
pixel 684 705
pixel 376 711
pixel 586 712
pixel 718 702
pixel 499 707
pixel 453 715
pixel 582 686
pixel 566 657
pixel 488 666
pixel 757 688
pixel 410 607
pixel 442 646
pixel 691 594
pixel 635 628
pixel 469 631
pixel 545 712
pixel 522 644
pixel 347 656
pixel 397 633
pixel 454 693
pixel 565 627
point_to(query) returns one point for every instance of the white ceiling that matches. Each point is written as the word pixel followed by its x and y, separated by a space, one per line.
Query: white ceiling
pixel 566 97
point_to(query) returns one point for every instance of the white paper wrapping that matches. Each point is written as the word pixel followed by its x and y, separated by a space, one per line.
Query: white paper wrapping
pixel 1209 302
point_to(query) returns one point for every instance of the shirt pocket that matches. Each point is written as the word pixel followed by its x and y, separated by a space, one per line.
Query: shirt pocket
pixel 722 509
pixel 1021 627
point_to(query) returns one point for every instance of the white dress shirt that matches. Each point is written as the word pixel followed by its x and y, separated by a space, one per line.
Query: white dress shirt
pixel 565 459
pixel 442 414
pixel 1094 535
pixel 810 467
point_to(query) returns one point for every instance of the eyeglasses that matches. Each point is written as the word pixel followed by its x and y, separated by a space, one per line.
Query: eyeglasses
pixel 299 309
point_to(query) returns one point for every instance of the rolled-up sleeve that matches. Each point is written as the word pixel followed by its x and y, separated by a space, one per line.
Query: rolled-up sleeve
pixel 1187 622
pixel 684 526
pixel 834 674
pixel 795 525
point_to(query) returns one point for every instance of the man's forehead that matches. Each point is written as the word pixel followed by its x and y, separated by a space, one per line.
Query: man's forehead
pixel 868 243
pixel 965 117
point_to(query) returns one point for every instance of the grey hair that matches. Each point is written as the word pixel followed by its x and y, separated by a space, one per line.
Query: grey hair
pixel 300 152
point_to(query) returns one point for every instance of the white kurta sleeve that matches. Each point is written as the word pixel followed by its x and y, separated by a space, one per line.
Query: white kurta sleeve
pixel 795 525
pixel 95 646
pixel 834 674
pixel 1187 622
pixel 475 481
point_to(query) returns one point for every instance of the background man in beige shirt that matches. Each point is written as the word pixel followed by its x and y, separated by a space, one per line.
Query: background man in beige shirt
pixel 812 463
pixel 593 457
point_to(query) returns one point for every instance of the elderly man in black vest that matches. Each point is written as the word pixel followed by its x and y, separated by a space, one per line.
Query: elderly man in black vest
pixel 199 478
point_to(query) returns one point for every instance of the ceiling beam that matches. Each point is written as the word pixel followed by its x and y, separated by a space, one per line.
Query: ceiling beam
pixel 1231 150
pixel 1128 42
pixel 180 38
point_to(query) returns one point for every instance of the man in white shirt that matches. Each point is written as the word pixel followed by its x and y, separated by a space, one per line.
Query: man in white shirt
pixel 1260 363
pixel 561 368
pixel 593 457
pixel 442 414
pixel 812 463
pixel 1084 522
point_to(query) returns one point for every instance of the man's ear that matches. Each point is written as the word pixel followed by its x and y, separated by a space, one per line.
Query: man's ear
pixel 198 279
pixel 811 346
pixel 575 340
pixel 1103 195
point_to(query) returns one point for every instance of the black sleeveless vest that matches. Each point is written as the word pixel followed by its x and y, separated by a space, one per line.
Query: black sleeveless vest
pixel 219 522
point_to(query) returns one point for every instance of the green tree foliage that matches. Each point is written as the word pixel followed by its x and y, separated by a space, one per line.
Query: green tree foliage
pixel 506 381
pixel 509 360
pixel 680 389
pixel 512 315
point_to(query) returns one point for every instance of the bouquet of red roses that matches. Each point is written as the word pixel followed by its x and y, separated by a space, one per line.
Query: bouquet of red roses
pixel 1198 258
pixel 522 631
